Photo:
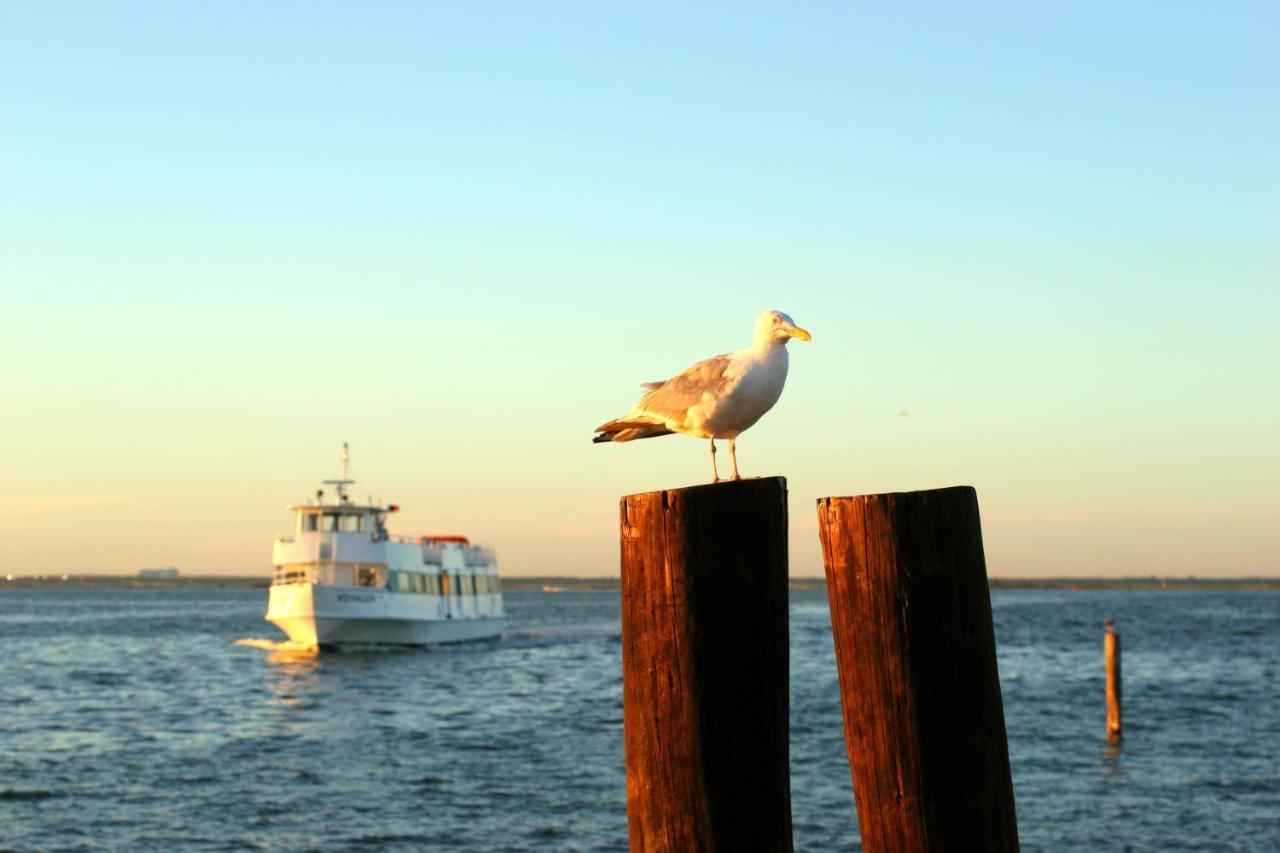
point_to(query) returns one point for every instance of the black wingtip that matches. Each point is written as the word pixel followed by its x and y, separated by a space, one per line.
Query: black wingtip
pixel 602 437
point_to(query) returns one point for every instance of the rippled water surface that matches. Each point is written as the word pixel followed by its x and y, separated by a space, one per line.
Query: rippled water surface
pixel 161 719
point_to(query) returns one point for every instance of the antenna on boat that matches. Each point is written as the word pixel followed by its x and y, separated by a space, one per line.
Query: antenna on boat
pixel 341 485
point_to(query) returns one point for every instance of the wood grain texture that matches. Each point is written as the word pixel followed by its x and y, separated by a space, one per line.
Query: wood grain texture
pixel 1111 651
pixel 915 648
pixel 705 667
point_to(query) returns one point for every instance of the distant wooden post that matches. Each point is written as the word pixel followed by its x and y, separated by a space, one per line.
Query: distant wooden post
pixel 1111 648
pixel 915 647
pixel 705 667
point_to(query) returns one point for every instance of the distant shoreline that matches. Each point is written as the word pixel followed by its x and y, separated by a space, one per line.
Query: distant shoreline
pixel 553 584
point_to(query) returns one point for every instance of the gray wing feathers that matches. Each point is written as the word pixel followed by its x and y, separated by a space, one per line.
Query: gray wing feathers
pixel 667 404
pixel 672 400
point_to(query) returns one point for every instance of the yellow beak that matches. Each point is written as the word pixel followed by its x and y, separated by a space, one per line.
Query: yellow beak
pixel 800 333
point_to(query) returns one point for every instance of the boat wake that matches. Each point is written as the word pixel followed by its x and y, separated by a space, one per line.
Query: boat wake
pixel 283 648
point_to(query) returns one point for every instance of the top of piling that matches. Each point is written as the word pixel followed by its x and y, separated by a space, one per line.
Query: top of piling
pixel 892 495
pixel 724 488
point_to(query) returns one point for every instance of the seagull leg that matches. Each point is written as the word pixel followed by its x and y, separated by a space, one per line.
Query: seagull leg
pixel 715 472
pixel 734 456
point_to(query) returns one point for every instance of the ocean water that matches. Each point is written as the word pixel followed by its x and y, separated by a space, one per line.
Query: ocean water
pixel 163 719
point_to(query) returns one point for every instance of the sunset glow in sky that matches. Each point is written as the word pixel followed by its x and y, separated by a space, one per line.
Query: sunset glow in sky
pixel 1036 247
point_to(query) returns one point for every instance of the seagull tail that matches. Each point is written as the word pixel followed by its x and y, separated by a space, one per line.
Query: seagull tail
pixel 628 430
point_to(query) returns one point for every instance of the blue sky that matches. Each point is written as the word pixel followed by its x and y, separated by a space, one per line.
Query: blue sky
pixel 1036 247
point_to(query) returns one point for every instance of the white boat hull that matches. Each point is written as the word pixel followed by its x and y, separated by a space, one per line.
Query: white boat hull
pixel 322 615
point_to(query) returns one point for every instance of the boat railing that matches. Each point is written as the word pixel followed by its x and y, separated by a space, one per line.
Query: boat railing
pixel 476 555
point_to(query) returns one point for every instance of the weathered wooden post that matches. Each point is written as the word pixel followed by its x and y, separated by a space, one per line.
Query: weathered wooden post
pixel 915 647
pixel 1111 650
pixel 705 667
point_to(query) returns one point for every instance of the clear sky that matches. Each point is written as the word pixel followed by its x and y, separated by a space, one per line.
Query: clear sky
pixel 1037 247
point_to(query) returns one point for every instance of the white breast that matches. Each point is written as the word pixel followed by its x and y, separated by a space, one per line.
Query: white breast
pixel 761 377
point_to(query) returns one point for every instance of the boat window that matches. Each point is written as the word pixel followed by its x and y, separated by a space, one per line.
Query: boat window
pixel 366 575
pixel 482 585
pixel 309 522
pixel 350 523
pixel 433 584
pixel 330 522
pixel 495 584
pixel 290 574
pixel 457 585
pixel 401 583
pixel 419 583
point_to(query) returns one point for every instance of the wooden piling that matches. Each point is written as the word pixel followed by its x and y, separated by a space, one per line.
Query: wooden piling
pixel 705 667
pixel 1111 650
pixel 915 648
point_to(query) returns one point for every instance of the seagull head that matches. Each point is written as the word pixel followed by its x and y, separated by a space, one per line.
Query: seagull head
pixel 776 327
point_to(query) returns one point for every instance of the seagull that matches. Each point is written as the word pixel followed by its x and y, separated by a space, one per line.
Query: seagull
pixel 716 398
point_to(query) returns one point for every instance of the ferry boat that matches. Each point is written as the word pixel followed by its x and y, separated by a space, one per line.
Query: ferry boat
pixel 340 577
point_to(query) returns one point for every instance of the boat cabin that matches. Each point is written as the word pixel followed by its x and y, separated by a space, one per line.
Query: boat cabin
pixel 342 519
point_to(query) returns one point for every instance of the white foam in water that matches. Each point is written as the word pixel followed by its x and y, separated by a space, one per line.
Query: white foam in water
pixel 288 649
pixel 280 646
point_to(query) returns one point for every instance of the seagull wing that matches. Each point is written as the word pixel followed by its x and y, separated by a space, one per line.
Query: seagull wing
pixel 665 406
pixel 672 400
